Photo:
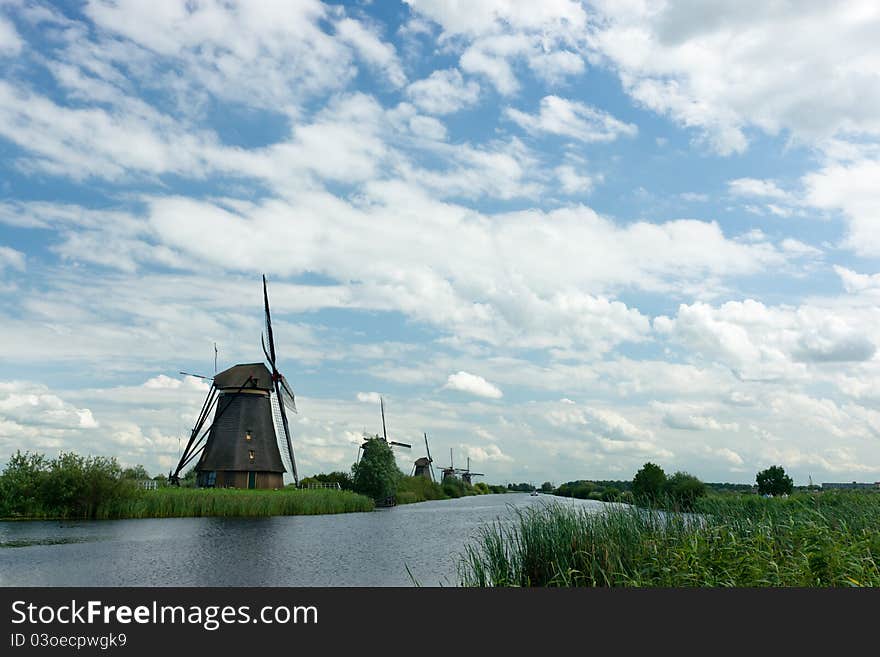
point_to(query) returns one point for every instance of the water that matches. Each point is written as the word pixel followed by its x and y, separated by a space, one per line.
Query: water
pixel 353 549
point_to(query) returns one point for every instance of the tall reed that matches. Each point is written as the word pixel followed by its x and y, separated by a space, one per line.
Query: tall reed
pixel 193 502
pixel 828 540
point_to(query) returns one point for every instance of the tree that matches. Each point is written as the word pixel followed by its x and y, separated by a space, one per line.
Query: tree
pixel 684 489
pixel 774 481
pixel 376 474
pixel 137 473
pixel 546 487
pixel 648 483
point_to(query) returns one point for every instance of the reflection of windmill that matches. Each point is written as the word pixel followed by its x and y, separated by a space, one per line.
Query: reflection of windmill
pixel 423 466
pixel 467 474
pixel 242 447
pixel 384 435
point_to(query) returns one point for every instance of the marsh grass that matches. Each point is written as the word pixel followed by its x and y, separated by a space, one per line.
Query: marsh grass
pixel 195 502
pixel 745 541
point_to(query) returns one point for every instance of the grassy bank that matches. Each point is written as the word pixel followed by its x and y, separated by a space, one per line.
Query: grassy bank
pixel 198 502
pixel 831 539
pixel 194 502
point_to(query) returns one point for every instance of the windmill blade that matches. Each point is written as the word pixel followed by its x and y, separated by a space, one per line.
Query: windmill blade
pixel 393 442
pixel 428 449
pixel 382 407
pixel 198 376
pixel 287 434
pixel 269 335
pixel 287 396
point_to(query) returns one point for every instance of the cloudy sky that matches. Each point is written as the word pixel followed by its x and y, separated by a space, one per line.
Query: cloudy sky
pixel 561 238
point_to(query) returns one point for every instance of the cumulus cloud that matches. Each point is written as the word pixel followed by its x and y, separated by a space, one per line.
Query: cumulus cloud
pixel 693 66
pixel 443 92
pixel 472 384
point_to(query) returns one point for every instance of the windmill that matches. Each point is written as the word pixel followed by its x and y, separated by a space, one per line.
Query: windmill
pixel 451 471
pixel 467 474
pixel 423 466
pixel 242 445
pixel 384 435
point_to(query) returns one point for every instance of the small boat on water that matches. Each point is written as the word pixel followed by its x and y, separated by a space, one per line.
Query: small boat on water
pixel 534 493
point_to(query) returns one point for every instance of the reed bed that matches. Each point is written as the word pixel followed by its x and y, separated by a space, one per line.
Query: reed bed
pixel 194 502
pixel 742 541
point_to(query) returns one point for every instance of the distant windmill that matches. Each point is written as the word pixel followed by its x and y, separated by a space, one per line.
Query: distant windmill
pixel 423 466
pixel 241 447
pixel 384 436
pixel 451 471
pixel 467 474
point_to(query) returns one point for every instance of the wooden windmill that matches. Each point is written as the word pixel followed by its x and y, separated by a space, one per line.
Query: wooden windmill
pixel 246 441
pixel 384 435
pixel 450 472
pixel 467 474
pixel 423 467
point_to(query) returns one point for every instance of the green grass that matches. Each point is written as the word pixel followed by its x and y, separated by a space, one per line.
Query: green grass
pixel 832 539
pixel 194 502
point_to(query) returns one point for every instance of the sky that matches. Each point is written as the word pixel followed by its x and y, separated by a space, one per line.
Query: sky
pixel 561 238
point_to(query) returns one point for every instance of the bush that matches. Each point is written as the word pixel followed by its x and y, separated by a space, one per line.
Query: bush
pixel 68 486
pixel 683 490
pixel 418 489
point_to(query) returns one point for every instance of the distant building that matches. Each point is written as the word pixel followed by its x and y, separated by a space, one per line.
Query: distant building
pixel 852 486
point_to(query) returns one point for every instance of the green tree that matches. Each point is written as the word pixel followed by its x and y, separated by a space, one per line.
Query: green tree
pixel 376 474
pixel 138 473
pixel 649 482
pixel 21 483
pixel 547 487
pixel 683 489
pixel 774 481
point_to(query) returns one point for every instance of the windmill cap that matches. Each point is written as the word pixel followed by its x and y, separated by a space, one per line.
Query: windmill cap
pixel 238 376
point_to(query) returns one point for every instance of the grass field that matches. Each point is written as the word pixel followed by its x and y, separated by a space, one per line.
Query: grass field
pixel 827 539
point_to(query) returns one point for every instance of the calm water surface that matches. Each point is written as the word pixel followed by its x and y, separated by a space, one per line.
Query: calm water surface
pixel 353 549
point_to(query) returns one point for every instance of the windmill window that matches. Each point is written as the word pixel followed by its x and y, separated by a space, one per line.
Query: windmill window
pixel 251 455
pixel 247 436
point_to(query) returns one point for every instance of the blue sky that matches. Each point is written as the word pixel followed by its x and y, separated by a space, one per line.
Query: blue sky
pixel 563 239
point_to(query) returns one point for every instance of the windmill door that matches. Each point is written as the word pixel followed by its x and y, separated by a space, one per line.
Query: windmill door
pixel 252 479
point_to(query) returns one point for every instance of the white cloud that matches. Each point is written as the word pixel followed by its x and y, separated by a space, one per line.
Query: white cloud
pixel 573 119
pixel 10 42
pixel 368 397
pixel 35 405
pixel 850 188
pixel 485 454
pixel 443 92
pixel 472 384
pixel 769 343
pixel 729 67
pixel 372 49
pixel 11 258
pixel 573 182
pixel 753 187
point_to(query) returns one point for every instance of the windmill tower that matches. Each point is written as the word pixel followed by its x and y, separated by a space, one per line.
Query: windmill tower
pixel 423 466
pixel 384 435
pixel 467 474
pixel 243 445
